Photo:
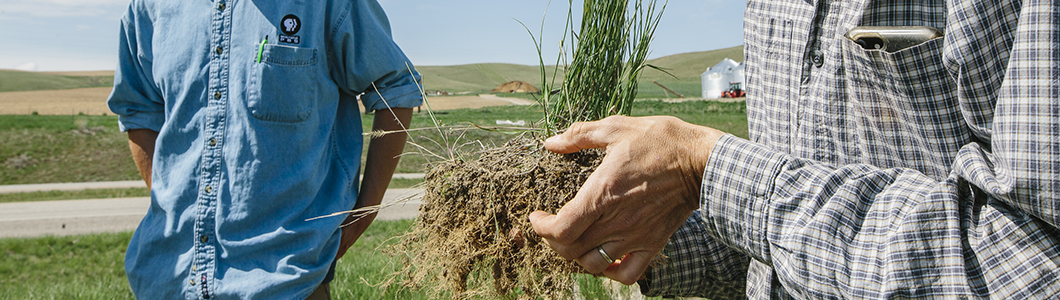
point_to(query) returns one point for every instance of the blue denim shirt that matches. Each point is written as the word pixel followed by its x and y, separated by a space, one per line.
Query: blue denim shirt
pixel 259 130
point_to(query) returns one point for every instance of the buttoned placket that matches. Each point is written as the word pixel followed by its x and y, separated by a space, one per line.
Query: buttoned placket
pixel 210 177
pixel 813 59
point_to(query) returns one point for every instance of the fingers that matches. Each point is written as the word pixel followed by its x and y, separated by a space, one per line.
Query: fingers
pixel 559 233
pixel 565 228
pixel 596 260
pixel 627 268
pixel 584 135
pixel 630 268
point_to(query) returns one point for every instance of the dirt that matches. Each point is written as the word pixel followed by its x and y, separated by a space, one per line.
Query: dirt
pixel 89 101
pixel 93 101
pixel 462 247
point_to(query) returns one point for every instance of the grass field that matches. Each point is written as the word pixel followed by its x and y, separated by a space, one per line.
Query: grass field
pixel 75 195
pixel 11 81
pixel 47 149
pixel 91 267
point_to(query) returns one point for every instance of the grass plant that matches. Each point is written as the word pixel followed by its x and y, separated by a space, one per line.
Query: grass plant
pixel 610 52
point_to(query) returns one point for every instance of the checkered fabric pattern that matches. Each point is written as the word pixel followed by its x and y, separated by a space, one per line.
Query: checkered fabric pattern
pixel 926 172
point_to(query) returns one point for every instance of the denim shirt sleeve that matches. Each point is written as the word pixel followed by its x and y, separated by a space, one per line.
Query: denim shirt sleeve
pixel 369 61
pixel 134 98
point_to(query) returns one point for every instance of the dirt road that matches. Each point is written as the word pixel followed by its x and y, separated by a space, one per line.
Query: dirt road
pixel 93 101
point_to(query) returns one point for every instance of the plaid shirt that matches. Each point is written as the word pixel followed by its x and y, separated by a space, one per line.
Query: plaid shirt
pixel 932 171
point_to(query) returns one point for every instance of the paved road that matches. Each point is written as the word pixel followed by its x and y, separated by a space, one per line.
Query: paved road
pixel 69 217
pixel 77 186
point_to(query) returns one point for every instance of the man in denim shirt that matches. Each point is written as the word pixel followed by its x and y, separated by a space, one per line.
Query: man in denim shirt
pixel 242 118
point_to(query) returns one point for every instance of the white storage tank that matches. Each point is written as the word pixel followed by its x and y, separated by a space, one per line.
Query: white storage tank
pixel 738 74
pixel 717 79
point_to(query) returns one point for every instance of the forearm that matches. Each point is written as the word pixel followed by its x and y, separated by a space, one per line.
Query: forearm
pixel 832 230
pixel 142 146
pixel 383 154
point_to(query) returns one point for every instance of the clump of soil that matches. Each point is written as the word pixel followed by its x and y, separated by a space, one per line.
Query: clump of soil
pixel 462 246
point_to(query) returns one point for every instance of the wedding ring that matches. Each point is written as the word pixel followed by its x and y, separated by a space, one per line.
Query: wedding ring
pixel 604 254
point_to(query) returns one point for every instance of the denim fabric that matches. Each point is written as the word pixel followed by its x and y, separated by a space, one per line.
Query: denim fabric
pixel 259 130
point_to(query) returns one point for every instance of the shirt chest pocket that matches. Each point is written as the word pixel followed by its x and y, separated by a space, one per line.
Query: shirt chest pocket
pixel 905 100
pixel 281 86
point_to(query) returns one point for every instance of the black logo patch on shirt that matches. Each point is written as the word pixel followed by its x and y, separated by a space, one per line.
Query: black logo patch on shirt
pixel 290 24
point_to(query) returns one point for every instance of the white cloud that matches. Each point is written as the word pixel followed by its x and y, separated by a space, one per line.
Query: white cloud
pixel 30 66
pixel 62 8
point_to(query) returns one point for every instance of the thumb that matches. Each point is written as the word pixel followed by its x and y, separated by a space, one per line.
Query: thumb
pixel 583 135
pixel 542 222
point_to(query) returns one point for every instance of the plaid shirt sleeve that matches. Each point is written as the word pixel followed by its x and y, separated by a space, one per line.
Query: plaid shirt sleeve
pixel 887 221
pixel 695 264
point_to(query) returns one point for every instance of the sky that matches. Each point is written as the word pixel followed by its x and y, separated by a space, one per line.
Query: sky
pixel 82 35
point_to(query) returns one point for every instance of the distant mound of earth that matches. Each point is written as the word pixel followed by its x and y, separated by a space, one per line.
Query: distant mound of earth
pixel 516 87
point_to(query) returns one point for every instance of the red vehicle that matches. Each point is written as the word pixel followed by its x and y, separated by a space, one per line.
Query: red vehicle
pixel 735 91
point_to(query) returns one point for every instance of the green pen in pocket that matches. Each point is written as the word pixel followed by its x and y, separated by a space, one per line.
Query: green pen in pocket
pixel 261 48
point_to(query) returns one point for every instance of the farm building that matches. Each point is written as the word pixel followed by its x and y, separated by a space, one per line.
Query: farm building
pixel 719 78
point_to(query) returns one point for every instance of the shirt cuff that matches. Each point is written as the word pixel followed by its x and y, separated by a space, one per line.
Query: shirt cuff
pixel 694 264
pixel 403 96
pixel 738 182
pixel 142 120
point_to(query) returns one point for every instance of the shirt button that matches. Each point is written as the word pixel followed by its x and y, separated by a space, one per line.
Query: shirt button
pixel 213 142
pixel 204 239
pixel 818 58
pixel 221 7
pixel 192 282
pixel 220 50
pixel 208 189
pixel 217 95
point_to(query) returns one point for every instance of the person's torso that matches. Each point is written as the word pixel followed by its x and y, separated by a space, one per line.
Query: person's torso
pixel 817 95
pixel 258 138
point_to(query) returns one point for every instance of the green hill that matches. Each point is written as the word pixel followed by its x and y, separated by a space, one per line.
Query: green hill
pixel 474 78
pixel 687 67
pixel 479 78
pixel 12 81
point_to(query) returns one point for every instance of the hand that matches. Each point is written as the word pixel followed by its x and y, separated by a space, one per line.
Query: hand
pixel 352 231
pixel 645 188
